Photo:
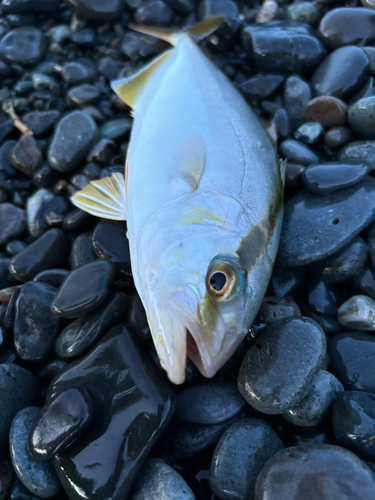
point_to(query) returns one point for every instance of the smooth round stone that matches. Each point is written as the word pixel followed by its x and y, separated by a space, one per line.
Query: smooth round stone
pixel 47 252
pixel 80 335
pixel 309 132
pixel 321 472
pixel 153 11
pixel 83 94
pixel 303 12
pixel 84 289
pixel 262 87
pixel 337 137
pixel 60 422
pixel 209 403
pixel 74 136
pixel 361 116
pixel 315 227
pixel 329 177
pixel 53 277
pixel 297 94
pixel 76 73
pixel 159 480
pixel 283 46
pixel 326 110
pixel 358 313
pixel 110 241
pixel 25 46
pixel 347 26
pixel 96 10
pixel 288 354
pixel 41 122
pixel 35 327
pixel 351 360
pixel 321 299
pixel 341 73
pixel 39 477
pixel 353 416
pixel 285 280
pixel 82 251
pixel 343 264
pixel 18 389
pixel 12 222
pixel 26 155
pixel 297 152
pixel 359 150
pixel 315 405
pixel 113 129
pixel 239 456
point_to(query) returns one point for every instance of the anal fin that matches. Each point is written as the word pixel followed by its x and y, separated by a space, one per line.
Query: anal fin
pixel 105 198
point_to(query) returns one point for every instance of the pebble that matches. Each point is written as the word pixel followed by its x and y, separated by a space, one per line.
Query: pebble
pixel 297 152
pixel 322 299
pixel 75 220
pixel 239 456
pixel 364 282
pixel 53 277
pixel 20 492
pixel 19 388
pixel 26 155
pixel 285 280
pixel 274 308
pixel 25 46
pixel 303 12
pixel 283 46
pixel 96 10
pixel 361 116
pixel 316 404
pixel 47 252
pixel 342 265
pixel 320 471
pixel 353 417
pixel 6 279
pixel 76 73
pixel 84 289
pixel 74 136
pixel 82 251
pixel 347 26
pixel 315 227
pixel 110 242
pixel 209 403
pixel 12 222
pixel 136 317
pixel 358 313
pixel 153 11
pixel 326 110
pixel 297 94
pixel 41 122
pixel 113 129
pixel 159 480
pixel 123 380
pixel 341 73
pixel 337 137
pixel 39 477
pixel 288 354
pixel 83 94
pixel 33 205
pixel 332 176
pixel 84 332
pixel 309 132
pixel 351 359
pixel 359 150
pixel 60 423
pixel 262 87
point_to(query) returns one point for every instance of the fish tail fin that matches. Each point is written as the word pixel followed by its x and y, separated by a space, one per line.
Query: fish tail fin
pixel 197 32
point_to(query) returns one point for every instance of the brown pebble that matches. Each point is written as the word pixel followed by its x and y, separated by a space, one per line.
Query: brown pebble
pixel 26 155
pixel 326 110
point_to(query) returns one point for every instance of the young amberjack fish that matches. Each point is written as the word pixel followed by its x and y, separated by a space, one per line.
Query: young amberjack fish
pixel 202 197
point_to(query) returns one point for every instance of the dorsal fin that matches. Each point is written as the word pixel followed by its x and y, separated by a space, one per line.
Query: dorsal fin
pixel 129 88
pixel 190 160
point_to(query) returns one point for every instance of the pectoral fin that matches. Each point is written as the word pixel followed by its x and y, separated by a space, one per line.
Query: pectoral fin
pixel 105 198
pixel 190 160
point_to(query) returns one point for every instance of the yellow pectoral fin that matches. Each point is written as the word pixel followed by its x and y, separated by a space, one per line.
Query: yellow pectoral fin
pixel 105 198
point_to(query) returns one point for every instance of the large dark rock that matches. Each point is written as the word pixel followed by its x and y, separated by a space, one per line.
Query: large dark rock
pixel 25 46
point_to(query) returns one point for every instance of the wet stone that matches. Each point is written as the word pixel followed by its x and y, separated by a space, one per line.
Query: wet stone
pixel 285 280
pixel 25 46
pixel 321 299
pixel 353 416
pixel 283 46
pixel 76 73
pixel 6 279
pixel 74 136
pixel 12 222
pixel 136 317
pixel 153 12
pixel 84 332
pixel 20 492
pixel 299 472
pixel 60 423
pixel 33 205
pixel 53 277
pixel 74 220
pixel 341 73
pixel 359 150
pixel 158 480
pixel 364 282
pixel 288 354
pixel 326 110
pixel 303 12
pixel 275 308
pixel 361 116
pixel 41 122
pixel 358 313
pixel 239 456
pixel 35 327
pixel 329 177
pixel 96 10
pixel 110 242
pixel 18 388
pixel 47 252
pixel 351 360
pixel 343 264
pixel 316 404
pixel 347 26
pixel 84 289
pixel 209 403
pixel 315 227
pixel 309 132
pixel 82 251
pixel 121 379
pixel 39 477
pixel 83 94
pixel 297 152
pixel 337 137
pixel 262 87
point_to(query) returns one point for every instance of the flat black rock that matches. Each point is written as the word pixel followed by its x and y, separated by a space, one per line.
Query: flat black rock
pixel 84 289
pixel 53 277
pixel 110 242
pixel 82 251
pixel 315 227
pixel 35 327
pixel 132 403
pixel 12 222
pixel 25 46
pixel 329 177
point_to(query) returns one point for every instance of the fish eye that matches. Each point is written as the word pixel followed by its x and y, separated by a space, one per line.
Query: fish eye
pixel 224 279
pixel 218 281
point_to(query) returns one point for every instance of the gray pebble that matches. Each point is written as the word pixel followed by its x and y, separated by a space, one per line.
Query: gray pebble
pixel 358 313
pixel 24 46
pixel 359 150
pixel 297 152
pixel 297 94
pixel 303 12
pixel 361 117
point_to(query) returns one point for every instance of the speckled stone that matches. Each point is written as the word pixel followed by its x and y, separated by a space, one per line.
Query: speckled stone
pixel 358 313
pixel 361 116
pixel 359 150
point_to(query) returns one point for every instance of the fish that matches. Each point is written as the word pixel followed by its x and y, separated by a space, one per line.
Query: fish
pixel 202 196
